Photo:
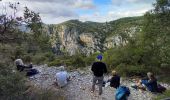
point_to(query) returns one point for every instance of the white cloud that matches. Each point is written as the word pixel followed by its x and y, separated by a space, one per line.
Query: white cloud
pixel 84 4
pixel 128 2
pixel 57 11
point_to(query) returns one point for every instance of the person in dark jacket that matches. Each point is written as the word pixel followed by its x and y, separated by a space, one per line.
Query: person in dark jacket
pixel 115 80
pixel 98 68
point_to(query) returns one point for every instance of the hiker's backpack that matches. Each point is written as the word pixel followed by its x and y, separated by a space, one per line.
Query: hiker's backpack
pixel 161 88
pixel 122 93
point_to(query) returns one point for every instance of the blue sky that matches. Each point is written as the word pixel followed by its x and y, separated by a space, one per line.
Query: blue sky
pixel 57 11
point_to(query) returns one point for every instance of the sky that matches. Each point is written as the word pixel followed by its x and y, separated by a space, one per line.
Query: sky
pixel 57 11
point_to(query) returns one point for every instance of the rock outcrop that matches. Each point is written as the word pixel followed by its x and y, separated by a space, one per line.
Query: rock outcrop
pixel 74 37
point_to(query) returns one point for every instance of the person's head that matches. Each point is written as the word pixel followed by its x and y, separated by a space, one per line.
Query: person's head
pixel 62 68
pixel 150 75
pixel 114 72
pixel 99 57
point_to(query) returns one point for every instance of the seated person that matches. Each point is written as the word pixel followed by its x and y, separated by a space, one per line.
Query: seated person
pixel 28 69
pixel 149 83
pixel 62 77
pixel 115 80
pixel 20 65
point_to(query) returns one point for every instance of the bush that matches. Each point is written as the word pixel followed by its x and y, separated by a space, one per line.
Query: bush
pixel 90 59
pixel 50 56
pixel 78 61
pixel 12 84
pixel 75 61
pixel 166 94
pixel 56 62
pixel 45 94
pixel 130 70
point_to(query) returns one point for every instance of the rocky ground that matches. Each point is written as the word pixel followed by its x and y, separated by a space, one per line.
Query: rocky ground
pixel 80 84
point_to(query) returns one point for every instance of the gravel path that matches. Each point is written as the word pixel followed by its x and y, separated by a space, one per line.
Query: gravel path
pixel 80 85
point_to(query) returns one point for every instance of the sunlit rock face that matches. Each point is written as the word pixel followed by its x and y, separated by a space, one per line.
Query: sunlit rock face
pixel 74 37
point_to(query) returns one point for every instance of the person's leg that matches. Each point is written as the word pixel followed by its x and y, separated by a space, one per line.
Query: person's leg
pixel 100 81
pixel 93 84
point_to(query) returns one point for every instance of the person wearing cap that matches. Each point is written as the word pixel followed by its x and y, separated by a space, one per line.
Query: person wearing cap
pixel 62 77
pixel 98 68
pixel 115 80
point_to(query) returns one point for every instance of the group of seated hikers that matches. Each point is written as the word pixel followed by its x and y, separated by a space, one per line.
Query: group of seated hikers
pixel 99 68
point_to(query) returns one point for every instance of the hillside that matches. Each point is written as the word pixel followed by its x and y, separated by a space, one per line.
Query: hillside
pixel 89 37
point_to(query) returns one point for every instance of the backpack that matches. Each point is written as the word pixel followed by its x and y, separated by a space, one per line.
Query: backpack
pixel 161 88
pixel 122 93
pixel 32 72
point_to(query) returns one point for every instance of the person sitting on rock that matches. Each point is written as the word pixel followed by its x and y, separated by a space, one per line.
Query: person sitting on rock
pixel 62 77
pixel 28 69
pixel 20 65
pixel 115 80
pixel 149 83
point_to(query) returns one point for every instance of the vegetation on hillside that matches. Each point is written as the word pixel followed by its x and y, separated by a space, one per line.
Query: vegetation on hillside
pixel 148 50
pixel 33 46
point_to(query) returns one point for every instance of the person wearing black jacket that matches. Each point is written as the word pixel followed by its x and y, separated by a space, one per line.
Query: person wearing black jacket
pixel 98 68
pixel 115 80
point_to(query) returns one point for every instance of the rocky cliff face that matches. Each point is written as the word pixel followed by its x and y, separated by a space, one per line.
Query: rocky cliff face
pixel 74 37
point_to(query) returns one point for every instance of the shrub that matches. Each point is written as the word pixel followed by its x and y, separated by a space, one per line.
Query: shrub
pixel 130 70
pixel 12 84
pixel 166 94
pixel 50 56
pixel 39 58
pixel 78 61
pixel 45 94
pixel 90 59
pixel 56 62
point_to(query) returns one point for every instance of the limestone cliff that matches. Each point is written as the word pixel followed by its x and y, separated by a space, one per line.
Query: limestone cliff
pixel 73 36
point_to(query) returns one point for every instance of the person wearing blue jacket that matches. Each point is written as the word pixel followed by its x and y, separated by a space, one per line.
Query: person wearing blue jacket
pixel 150 83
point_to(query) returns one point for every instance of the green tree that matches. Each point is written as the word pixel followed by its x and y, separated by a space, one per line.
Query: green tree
pixel 156 37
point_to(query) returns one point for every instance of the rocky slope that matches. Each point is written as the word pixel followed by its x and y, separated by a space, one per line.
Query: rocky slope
pixel 88 37
pixel 80 84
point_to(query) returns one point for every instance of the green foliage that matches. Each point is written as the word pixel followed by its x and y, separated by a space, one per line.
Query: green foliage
pixel 131 70
pixel 12 83
pixel 78 61
pixel 156 33
pixel 90 59
pixel 45 94
pixel 166 94
pixel 75 61
pixel 56 62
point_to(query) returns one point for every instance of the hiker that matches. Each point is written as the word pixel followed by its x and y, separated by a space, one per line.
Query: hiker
pixel 98 68
pixel 115 80
pixel 20 65
pixel 122 93
pixel 28 69
pixel 149 83
pixel 62 77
